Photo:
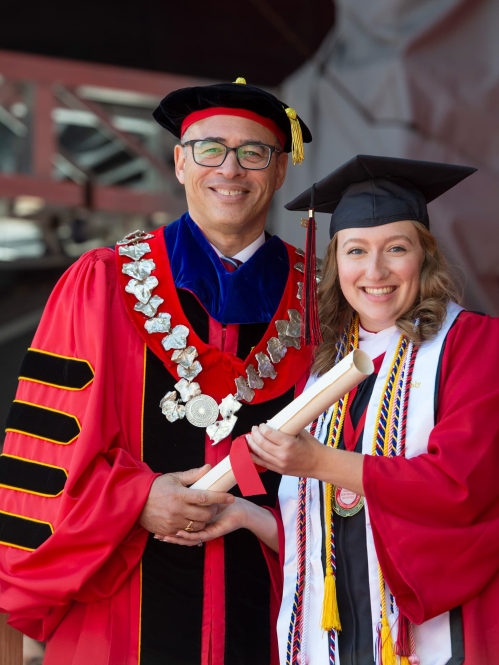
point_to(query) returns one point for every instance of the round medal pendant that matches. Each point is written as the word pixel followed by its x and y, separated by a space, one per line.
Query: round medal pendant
pixel 201 411
pixel 347 503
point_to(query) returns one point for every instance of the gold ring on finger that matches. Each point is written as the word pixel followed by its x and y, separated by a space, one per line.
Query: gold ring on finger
pixel 189 527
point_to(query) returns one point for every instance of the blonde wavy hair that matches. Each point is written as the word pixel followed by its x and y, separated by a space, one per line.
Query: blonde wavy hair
pixel 437 287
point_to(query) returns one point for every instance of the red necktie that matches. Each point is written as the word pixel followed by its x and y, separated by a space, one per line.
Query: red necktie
pixel 230 264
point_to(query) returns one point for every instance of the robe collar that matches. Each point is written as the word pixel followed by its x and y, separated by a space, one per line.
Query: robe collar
pixel 227 297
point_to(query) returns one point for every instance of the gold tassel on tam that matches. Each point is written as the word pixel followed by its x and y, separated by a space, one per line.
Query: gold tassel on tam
pixel 330 613
pixel 297 149
pixel 240 80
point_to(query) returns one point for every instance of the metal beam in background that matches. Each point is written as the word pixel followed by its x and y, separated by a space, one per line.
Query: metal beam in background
pixel 62 193
pixel 129 143
pixel 79 84
pixel 109 199
pixel 12 123
pixel 133 168
pixel 92 158
pixel 64 116
pixel 7 94
pixel 72 73
pixel 44 145
pixel 68 168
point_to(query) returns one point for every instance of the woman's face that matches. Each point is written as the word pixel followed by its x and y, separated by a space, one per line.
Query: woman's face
pixel 378 269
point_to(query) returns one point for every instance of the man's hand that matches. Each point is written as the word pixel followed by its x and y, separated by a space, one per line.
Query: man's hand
pixel 242 514
pixel 171 506
pixel 226 520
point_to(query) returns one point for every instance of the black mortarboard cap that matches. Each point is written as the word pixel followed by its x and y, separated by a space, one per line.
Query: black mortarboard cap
pixel 178 105
pixel 371 191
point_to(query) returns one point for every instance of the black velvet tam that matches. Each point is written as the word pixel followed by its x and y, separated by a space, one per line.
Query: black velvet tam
pixel 371 191
pixel 176 106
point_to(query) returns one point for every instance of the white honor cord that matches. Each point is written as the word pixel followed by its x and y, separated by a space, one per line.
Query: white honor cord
pixel 308 549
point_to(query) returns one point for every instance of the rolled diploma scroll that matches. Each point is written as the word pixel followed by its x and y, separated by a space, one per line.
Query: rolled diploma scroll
pixel 327 390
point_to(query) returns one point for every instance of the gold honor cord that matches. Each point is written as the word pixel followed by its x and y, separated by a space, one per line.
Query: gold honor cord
pixel 330 613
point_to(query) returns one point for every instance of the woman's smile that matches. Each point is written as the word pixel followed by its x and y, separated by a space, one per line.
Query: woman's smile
pixel 378 291
pixel 379 270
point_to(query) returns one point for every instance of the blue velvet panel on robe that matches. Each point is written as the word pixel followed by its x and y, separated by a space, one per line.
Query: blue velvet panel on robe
pixel 249 295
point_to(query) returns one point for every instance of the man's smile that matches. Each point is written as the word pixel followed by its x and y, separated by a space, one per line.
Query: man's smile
pixel 229 192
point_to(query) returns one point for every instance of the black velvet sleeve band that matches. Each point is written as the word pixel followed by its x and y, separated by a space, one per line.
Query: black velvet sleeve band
pixel 22 532
pixel 29 476
pixel 55 370
pixel 43 423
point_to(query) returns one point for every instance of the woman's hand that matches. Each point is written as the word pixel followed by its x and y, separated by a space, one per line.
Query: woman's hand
pixel 305 457
pixel 241 514
pixel 299 455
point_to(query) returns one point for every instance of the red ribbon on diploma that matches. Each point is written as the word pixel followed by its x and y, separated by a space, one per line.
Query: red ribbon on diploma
pixel 244 469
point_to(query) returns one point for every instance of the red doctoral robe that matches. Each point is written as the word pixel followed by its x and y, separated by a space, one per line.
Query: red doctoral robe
pixel 71 551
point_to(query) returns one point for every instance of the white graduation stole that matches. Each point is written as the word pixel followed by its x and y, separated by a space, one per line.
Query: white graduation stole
pixel 433 643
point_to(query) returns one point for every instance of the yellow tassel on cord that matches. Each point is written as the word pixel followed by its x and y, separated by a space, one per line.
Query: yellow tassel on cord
pixel 330 612
pixel 388 656
pixel 297 150
pixel 240 80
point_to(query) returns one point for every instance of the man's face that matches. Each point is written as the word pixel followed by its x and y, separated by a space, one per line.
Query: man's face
pixel 229 199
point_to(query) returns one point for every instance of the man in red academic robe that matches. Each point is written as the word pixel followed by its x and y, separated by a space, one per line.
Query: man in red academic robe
pixel 147 357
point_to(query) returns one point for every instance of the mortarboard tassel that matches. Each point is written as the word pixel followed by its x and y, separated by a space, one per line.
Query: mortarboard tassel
pixel 241 80
pixel 311 324
pixel 297 149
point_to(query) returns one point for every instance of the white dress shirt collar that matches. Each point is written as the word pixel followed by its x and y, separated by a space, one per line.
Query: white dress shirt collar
pixel 248 251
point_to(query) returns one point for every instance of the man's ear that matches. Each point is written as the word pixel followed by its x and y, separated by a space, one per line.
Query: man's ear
pixel 282 167
pixel 179 157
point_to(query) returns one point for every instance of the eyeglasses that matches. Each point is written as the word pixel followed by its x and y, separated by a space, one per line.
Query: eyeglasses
pixel 251 156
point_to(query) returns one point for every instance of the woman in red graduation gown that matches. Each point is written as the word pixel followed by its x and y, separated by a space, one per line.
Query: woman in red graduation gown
pixel 390 504
pixel 410 524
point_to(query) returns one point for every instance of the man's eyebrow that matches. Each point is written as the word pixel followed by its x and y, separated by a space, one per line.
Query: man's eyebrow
pixel 253 142
pixel 207 138
pixel 400 236
pixel 220 139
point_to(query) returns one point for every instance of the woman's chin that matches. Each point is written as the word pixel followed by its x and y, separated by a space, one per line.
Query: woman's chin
pixel 374 320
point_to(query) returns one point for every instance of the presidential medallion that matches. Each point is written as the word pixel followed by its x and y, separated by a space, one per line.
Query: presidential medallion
pixel 201 411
